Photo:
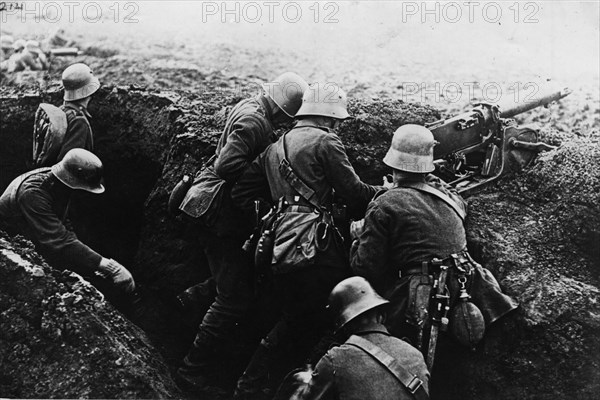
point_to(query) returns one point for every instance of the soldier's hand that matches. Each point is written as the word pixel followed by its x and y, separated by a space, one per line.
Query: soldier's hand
pixel 120 276
pixel 304 376
pixel 356 228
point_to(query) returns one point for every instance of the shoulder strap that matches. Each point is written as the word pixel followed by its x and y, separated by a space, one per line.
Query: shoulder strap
pixel 423 187
pixel 290 176
pixel 410 381
pixel 15 189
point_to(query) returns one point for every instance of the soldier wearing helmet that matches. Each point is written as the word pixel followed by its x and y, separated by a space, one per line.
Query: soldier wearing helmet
pixel 249 129
pixel 80 84
pixel 36 204
pixel 413 230
pixel 352 370
pixel 318 159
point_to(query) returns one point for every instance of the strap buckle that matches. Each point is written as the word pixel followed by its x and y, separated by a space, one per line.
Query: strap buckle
pixel 414 384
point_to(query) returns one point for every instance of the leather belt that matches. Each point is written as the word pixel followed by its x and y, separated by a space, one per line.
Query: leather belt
pixel 427 267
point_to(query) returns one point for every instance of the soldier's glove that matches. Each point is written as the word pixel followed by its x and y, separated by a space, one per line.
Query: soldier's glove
pixel 118 274
pixel 356 228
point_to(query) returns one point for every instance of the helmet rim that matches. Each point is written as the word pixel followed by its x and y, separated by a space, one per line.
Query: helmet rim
pixel 81 160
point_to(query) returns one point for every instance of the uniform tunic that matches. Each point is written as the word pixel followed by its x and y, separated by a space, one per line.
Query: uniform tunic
pixel 38 212
pixel 318 158
pixel 404 227
pixel 79 132
pixel 248 131
pixel 349 373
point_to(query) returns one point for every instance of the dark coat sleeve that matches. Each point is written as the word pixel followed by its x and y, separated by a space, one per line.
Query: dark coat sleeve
pixel 252 185
pixel 340 173
pixel 369 254
pixel 53 236
pixel 249 136
pixel 78 135
pixel 322 383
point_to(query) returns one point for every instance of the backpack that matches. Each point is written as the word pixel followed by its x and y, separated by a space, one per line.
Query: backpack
pixel 49 131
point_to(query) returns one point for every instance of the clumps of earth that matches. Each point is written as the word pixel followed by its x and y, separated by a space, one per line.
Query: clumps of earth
pixel 537 230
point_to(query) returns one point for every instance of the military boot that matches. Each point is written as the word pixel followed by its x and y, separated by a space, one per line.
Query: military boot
pixel 254 382
pixel 198 364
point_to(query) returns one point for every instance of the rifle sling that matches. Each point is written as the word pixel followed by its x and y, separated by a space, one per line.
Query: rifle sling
pixel 423 187
pixel 411 382
pixel 285 169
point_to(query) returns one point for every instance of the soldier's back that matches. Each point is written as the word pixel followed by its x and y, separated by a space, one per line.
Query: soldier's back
pixel 358 376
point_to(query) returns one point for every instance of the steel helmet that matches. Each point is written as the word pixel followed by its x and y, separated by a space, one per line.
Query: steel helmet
pixel 324 99
pixel 19 44
pixel 80 169
pixel 411 149
pixel 79 82
pixel 286 91
pixel 33 46
pixel 350 298
pixel 7 41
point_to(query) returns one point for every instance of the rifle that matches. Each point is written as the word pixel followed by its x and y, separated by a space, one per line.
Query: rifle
pixel 479 146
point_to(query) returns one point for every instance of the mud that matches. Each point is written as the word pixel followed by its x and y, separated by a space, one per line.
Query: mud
pixel 61 339
pixel 537 231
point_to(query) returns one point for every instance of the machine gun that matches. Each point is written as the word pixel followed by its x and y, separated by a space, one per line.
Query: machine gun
pixel 479 146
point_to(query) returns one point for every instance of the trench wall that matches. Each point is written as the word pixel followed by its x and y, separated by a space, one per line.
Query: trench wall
pixel 536 231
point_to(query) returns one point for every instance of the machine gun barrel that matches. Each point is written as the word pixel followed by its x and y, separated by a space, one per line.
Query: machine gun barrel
pixel 530 105
pixel 64 52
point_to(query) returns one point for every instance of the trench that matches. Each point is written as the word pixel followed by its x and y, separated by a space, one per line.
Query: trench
pixel 147 141
pixel 130 138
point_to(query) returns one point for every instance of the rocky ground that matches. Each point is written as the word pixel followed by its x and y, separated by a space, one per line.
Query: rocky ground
pixel 159 116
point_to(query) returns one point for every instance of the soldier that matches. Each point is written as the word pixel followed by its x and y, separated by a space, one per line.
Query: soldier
pixel 315 163
pixel 248 131
pixel 36 203
pixel 80 84
pixel 371 364
pixel 72 126
pixel 414 230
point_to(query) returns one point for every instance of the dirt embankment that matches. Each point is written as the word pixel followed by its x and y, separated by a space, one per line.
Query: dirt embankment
pixel 537 231
pixel 59 338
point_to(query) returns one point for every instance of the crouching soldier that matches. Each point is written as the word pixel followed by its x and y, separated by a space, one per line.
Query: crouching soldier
pixel 36 204
pixel 299 173
pixel 371 364
pixel 412 248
